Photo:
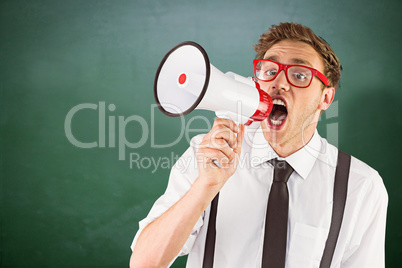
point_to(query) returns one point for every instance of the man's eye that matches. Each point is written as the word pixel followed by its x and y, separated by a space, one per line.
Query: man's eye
pixel 271 72
pixel 300 76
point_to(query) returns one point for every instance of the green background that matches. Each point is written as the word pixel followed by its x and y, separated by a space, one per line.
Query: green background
pixel 66 206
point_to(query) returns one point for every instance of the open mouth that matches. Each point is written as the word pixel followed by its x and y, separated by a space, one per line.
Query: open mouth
pixel 278 114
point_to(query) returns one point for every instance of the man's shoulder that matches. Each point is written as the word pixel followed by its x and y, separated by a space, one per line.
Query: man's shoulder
pixel 364 173
pixel 362 176
pixel 193 145
pixel 196 140
pixel 364 180
pixel 357 167
pixel 361 168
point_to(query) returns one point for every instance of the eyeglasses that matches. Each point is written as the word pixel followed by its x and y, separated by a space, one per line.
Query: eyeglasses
pixel 297 75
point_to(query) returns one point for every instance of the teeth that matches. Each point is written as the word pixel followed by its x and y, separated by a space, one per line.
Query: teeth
pixel 278 102
pixel 276 122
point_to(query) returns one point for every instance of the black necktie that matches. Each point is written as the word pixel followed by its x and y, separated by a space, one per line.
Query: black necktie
pixel 276 221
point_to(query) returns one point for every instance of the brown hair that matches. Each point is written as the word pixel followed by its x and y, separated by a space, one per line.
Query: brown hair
pixel 298 32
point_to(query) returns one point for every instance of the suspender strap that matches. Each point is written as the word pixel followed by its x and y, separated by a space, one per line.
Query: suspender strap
pixel 209 250
pixel 338 207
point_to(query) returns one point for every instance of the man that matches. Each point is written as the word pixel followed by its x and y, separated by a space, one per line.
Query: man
pixel 301 73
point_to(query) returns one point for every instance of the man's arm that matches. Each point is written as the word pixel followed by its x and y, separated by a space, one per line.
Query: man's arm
pixel 368 246
pixel 161 241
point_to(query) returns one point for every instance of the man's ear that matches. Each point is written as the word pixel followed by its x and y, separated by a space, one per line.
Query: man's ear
pixel 327 97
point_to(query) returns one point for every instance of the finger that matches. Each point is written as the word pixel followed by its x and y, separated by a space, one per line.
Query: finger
pixel 220 145
pixel 209 156
pixel 228 123
pixel 224 133
pixel 225 129
pixel 240 138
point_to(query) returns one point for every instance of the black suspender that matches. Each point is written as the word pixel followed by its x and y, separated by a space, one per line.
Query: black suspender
pixel 209 251
pixel 338 207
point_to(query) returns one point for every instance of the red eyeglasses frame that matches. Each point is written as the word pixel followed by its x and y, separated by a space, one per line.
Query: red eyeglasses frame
pixel 285 67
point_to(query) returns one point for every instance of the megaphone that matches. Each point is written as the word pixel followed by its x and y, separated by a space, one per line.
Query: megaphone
pixel 186 80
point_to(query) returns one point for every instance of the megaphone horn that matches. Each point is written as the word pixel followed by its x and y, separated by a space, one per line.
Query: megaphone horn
pixel 186 80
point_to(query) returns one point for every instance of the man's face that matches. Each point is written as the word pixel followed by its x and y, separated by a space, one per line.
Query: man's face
pixel 289 129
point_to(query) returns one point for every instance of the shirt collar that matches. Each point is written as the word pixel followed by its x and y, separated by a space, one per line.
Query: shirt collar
pixel 301 161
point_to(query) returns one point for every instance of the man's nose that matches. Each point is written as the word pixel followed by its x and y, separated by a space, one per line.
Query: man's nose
pixel 281 82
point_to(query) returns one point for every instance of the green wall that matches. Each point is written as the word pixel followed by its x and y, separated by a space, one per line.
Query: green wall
pixel 67 206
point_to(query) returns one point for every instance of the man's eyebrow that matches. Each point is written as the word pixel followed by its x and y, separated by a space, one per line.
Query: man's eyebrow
pixel 301 61
pixel 292 61
pixel 273 58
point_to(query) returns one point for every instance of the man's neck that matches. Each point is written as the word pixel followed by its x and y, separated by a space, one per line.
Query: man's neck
pixel 292 146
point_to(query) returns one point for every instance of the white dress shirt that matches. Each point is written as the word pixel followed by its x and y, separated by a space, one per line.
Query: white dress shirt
pixel 243 202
